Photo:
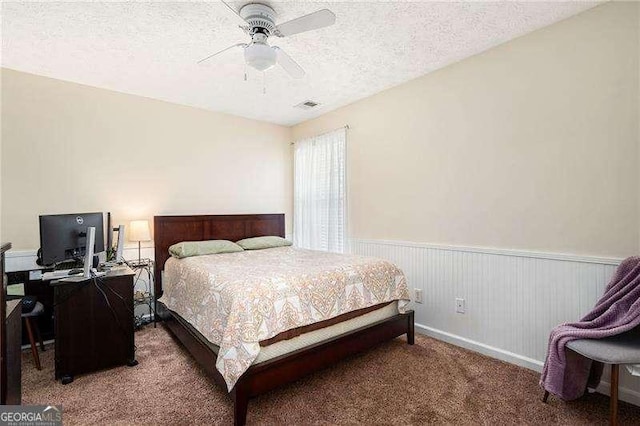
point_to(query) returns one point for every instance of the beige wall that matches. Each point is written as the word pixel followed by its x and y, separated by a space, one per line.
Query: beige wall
pixel 531 145
pixel 72 148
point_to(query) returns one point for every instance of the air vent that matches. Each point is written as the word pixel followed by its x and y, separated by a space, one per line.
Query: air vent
pixel 307 105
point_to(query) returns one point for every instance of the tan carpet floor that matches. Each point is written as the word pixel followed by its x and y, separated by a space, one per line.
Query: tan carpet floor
pixel 430 382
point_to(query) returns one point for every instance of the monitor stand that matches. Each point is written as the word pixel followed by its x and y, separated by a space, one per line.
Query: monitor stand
pixel 88 256
pixel 87 270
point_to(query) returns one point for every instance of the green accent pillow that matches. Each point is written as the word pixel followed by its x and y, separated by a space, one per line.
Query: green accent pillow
pixel 199 248
pixel 258 243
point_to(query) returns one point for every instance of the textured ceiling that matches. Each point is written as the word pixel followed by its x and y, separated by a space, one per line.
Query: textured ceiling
pixel 151 48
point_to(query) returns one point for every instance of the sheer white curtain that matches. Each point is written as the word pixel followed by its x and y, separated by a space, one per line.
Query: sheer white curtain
pixel 319 201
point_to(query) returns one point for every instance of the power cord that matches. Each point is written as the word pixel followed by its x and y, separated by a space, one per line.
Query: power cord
pixel 124 302
pixel 81 285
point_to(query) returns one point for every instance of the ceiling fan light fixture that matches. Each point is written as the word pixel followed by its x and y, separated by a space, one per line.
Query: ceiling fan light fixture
pixel 260 56
pixel 259 22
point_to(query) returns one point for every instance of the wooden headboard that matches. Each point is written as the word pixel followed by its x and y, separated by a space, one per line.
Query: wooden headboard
pixel 169 230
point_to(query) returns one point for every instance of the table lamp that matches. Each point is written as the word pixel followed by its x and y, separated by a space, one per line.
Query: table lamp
pixel 139 231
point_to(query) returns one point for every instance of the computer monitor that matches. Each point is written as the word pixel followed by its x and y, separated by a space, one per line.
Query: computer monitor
pixel 64 236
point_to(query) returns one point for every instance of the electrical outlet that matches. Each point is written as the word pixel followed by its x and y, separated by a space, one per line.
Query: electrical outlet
pixel 460 306
pixel 418 292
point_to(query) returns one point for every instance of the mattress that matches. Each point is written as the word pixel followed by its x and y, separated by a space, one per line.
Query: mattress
pixel 237 300
pixel 287 346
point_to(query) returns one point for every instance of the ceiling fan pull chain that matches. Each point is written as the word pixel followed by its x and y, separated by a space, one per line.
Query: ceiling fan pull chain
pixel 245 71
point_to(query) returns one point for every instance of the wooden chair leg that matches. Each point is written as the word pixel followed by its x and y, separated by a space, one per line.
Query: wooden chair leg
pixel 34 348
pixel 545 397
pixel 38 335
pixel 613 404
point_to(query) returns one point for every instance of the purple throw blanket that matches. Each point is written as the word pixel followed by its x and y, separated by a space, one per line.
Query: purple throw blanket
pixel 566 373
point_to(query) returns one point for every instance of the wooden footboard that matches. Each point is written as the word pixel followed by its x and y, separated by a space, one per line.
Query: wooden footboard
pixel 287 368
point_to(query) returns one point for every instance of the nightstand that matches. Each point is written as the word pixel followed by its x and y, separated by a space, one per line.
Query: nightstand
pixel 143 297
pixel 94 324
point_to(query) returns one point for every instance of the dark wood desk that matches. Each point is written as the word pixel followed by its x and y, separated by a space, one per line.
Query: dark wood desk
pixel 94 324
pixel 14 353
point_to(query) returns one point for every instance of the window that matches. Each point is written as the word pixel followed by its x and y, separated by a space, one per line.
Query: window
pixel 319 200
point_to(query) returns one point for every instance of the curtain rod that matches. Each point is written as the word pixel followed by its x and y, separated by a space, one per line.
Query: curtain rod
pixel 346 127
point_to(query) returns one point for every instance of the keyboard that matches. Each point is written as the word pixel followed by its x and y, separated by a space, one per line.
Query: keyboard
pixel 74 278
pixel 63 274
pixel 53 275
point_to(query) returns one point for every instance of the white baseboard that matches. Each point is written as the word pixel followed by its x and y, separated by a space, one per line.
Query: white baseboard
pixel 493 352
pixel 45 343
pixel 625 394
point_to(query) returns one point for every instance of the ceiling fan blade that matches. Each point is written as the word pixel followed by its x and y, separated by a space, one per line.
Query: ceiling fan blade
pixel 313 21
pixel 243 45
pixel 235 12
pixel 289 65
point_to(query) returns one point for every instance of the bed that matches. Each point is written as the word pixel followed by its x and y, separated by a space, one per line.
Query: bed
pixel 280 353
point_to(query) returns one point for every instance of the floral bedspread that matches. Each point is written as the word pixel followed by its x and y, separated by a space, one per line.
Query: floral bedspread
pixel 236 300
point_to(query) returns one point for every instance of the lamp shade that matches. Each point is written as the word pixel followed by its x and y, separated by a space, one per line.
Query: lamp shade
pixel 260 56
pixel 139 230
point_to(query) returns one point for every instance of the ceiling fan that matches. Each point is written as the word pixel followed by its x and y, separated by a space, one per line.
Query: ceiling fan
pixel 258 21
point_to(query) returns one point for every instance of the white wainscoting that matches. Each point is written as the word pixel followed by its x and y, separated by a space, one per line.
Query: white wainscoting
pixel 513 298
